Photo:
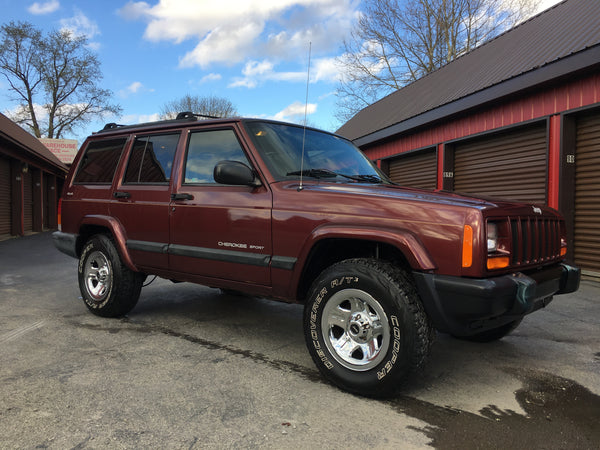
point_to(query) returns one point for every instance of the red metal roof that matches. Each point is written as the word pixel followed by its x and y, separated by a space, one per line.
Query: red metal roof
pixel 550 45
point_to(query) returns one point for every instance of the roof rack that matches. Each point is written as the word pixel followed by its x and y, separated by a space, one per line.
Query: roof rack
pixel 111 126
pixel 190 115
pixel 185 116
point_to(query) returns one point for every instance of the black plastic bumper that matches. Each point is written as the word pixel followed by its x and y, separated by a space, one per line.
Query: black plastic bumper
pixel 66 243
pixel 466 306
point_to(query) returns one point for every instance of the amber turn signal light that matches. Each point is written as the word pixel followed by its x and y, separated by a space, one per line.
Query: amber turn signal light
pixel 467 250
pixel 498 263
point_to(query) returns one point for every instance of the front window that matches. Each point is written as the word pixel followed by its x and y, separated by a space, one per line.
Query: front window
pixel 206 149
pixel 325 155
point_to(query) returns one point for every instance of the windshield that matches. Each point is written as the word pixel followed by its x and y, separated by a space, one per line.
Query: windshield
pixel 325 155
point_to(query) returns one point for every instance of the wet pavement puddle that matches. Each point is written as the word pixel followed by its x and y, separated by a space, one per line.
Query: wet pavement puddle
pixel 559 413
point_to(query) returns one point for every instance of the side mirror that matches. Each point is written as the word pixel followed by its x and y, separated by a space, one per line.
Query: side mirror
pixel 235 173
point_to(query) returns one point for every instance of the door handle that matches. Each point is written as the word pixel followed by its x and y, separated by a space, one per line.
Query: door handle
pixel 182 196
pixel 121 194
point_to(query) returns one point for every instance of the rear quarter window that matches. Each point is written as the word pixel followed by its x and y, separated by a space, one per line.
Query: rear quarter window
pixel 99 162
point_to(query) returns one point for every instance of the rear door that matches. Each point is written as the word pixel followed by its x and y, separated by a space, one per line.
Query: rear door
pixel 90 191
pixel 141 198
pixel 219 231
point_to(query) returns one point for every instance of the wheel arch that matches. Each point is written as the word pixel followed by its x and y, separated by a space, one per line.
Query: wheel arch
pixel 97 224
pixel 331 245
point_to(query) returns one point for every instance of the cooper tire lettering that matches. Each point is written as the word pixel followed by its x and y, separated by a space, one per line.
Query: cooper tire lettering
pixel 365 326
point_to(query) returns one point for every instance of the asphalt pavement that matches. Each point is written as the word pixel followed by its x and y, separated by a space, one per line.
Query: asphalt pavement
pixel 193 368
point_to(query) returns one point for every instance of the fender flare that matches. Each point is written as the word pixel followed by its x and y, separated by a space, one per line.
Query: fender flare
pixel 118 233
pixel 405 241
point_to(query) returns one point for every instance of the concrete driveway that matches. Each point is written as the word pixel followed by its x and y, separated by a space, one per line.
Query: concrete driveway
pixel 193 368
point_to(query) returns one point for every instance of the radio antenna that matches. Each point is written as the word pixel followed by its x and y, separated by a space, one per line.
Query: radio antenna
pixel 305 114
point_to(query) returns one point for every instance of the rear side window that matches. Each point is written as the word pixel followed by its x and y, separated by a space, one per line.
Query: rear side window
pixel 100 161
pixel 151 159
pixel 206 149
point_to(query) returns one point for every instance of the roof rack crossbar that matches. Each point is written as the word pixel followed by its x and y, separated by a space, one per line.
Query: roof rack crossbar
pixel 182 116
pixel 112 126
pixel 190 115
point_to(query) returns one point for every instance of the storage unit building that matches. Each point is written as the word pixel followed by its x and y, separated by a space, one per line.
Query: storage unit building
pixel 31 178
pixel 517 118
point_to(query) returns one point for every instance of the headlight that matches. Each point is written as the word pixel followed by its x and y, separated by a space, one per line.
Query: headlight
pixel 498 245
pixel 492 237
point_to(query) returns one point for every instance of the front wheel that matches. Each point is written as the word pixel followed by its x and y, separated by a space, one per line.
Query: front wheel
pixel 365 327
pixel 108 287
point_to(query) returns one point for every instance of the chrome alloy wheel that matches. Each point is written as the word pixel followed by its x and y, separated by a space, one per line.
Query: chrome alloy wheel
pixel 356 329
pixel 98 276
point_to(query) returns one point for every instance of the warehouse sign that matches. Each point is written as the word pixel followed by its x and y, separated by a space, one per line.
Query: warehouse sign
pixel 64 149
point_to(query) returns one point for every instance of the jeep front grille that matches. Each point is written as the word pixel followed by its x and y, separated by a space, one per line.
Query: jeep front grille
pixel 535 240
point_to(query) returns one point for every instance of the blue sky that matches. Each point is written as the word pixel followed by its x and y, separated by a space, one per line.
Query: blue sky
pixel 252 52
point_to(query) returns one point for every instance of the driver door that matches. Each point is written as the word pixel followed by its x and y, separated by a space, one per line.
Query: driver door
pixel 219 231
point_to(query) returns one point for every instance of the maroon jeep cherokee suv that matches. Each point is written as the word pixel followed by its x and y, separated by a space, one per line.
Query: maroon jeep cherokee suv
pixel 300 215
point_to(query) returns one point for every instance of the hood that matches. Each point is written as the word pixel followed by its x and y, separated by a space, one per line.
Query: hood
pixel 385 192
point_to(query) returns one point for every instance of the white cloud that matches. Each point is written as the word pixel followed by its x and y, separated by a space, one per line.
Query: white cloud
pixel 134 10
pixel 232 31
pixel 224 46
pixel 48 7
pixel 18 112
pixel 545 4
pixel 374 65
pixel 21 113
pixel 295 111
pixel 133 88
pixel 80 25
pixel 325 69
pixel 139 118
pixel 257 72
pixel 210 78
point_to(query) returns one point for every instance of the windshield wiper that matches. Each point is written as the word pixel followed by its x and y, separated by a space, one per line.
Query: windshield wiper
pixel 326 173
pixel 369 178
pixel 315 173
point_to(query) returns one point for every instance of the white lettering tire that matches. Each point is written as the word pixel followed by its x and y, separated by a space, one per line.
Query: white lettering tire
pixel 365 327
pixel 108 287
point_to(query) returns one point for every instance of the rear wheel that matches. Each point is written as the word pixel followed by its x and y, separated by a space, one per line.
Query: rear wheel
pixel 108 287
pixel 365 327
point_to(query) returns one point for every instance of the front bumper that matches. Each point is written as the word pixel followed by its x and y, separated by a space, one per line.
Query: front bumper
pixel 466 306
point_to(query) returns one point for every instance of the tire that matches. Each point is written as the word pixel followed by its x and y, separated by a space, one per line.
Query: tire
pixel 492 335
pixel 108 287
pixel 365 327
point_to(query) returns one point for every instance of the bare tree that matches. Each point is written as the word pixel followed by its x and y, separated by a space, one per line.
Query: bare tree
pixel 209 106
pixel 53 79
pixel 396 42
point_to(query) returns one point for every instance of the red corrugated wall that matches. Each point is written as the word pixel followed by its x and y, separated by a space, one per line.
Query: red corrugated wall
pixel 547 103
pixel 570 95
